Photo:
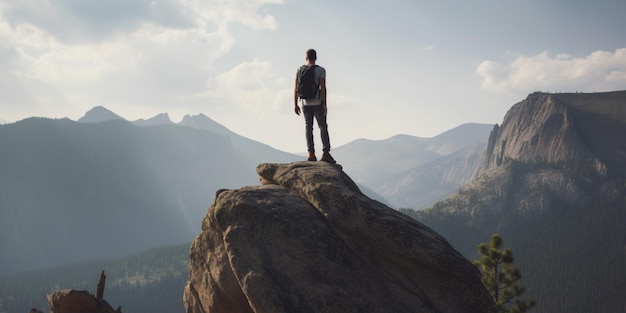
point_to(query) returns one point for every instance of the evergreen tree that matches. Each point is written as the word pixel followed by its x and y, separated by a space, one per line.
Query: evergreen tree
pixel 500 277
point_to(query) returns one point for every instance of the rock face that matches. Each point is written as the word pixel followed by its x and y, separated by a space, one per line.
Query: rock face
pixel 308 240
pixel 554 185
pixel 559 128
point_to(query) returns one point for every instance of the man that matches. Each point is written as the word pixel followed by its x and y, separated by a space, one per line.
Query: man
pixel 314 105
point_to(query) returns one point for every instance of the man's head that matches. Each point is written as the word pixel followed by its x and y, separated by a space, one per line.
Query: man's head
pixel 311 55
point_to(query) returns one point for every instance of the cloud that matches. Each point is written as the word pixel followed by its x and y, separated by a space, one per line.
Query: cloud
pixel 253 86
pixel 150 53
pixel 225 12
pixel 75 21
pixel 599 71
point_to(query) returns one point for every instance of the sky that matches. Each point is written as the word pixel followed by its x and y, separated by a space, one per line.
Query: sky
pixel 416 67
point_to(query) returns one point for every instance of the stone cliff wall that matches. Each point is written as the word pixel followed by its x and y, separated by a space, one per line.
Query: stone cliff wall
pixel 538 128
pixel 556 129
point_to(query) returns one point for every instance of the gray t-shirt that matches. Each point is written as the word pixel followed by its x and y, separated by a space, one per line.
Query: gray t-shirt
pixel 320 72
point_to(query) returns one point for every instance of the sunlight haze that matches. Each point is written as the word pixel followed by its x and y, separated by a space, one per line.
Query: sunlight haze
pixel 393 67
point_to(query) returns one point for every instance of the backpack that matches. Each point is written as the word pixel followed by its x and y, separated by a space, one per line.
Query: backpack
pixel 307 88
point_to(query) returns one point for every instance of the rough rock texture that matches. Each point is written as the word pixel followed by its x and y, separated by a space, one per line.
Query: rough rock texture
pixel 560 128
pixel 538 128
pixel 308 240
pixel 77 301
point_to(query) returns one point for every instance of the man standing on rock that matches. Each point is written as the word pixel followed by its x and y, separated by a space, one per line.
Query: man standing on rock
pixel 310 86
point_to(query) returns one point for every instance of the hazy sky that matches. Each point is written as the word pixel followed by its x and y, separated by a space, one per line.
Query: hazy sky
pixel 393 67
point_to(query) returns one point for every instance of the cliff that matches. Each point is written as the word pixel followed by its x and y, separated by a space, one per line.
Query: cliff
pixel 553 183
pixel 561 128
pixel 307 240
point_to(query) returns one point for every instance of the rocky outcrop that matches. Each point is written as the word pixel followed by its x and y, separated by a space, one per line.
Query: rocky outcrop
pixel 560 129
pixel 551 151
pixel 78 301
pixel 307 240
pixel 538 128
pixel 554 185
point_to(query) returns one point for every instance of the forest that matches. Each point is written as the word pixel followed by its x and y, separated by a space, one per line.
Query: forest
pixel 152 281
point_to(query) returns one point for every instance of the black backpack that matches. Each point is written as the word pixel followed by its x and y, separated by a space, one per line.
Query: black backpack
pixel 307 88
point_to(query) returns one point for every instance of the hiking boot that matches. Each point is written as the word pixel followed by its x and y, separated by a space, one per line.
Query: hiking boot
pixel 311 157
pixel 327 158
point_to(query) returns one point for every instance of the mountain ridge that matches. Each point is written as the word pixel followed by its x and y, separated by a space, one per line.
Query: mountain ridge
pixel 552 184
pixel 99 114
pixel 406 159
pixel 409 153
pixel 58 170
pixel 159 119
pixel 555 130
pixel 83 178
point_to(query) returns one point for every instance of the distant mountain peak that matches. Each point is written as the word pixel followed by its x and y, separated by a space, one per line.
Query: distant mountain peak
pixel 196 118
pixel 159 119
pixel 99 114
pixel 202 121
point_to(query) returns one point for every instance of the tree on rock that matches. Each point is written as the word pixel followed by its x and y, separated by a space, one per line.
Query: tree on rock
pixel 500 277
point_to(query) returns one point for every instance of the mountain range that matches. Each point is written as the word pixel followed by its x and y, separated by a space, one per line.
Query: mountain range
pixel 103 186
pixel 414 172
pixel 550 179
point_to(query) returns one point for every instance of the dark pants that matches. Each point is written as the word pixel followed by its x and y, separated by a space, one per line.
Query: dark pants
pixel 316 111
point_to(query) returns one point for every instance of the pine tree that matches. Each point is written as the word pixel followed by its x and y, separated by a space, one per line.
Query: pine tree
pixel 500 277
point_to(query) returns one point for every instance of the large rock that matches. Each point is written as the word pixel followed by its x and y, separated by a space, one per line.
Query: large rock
pixel 308 240
pixel 78 301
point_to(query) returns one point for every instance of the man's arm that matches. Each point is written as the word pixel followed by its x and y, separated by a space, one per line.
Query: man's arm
pixel 295 97
pixel 323 93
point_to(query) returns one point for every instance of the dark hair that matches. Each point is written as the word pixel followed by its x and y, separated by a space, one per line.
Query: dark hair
pixel 311 54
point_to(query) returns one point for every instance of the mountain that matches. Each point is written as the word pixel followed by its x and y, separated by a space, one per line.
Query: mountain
pixel 159 119
pixel 72 191
pixel 433 181
pixel 99 114
pixel 307 240
pixel 417 171
pixel 563 128
pixel 249 149
pixel 202 121
pixel 552 182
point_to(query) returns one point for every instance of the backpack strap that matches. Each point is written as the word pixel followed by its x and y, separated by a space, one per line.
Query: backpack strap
pixel 318 92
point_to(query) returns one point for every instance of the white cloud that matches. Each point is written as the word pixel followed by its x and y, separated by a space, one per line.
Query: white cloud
pixel 254 87
pixel 228 11
pixel 156 53
pixel 42 57
pixel 599 71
